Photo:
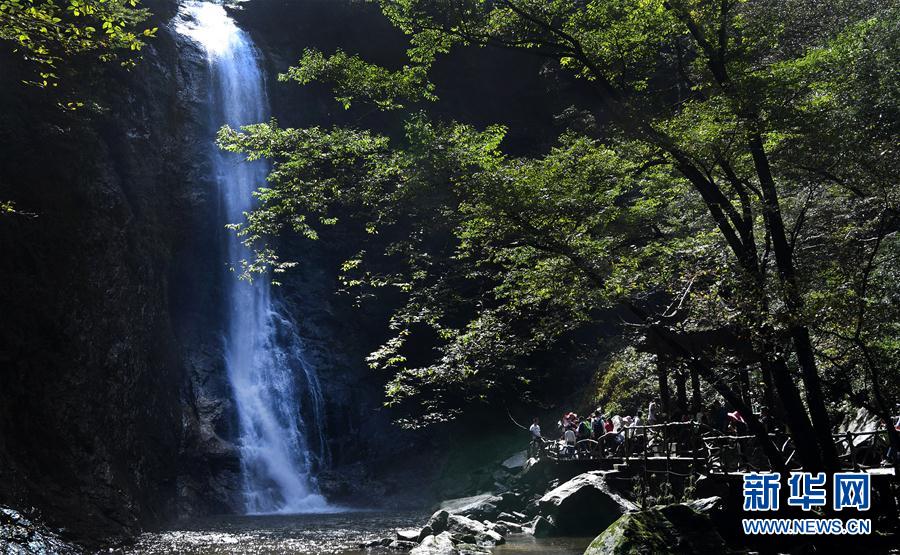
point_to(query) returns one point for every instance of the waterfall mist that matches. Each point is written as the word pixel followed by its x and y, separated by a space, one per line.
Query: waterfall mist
pixel 277 395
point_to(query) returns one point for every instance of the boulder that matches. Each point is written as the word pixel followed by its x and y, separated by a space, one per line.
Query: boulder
pixel 442 544
pixel 536 473
pixel 707 486
pixel 20 534
pixel 401 545
pixel 409 535
pixel 706 505
pixel 424 533
pixel 515 462
pixel 510 501
pixel 542 528
pixel 466 530
pixel 511 517
pixel 511 527
pixel 483 506
pixel 438 522
pixel 583 505
pixel 532 507
pixel 671 530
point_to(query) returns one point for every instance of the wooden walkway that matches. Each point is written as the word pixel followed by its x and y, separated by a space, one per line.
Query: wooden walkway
pixel 688 448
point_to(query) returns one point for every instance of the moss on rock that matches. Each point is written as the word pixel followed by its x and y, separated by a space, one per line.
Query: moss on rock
pixel 670 530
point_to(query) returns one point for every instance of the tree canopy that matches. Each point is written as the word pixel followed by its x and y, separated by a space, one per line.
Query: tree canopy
pixel 743 186
pixel 50 34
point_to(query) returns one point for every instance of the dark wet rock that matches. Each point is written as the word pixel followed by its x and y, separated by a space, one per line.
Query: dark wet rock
pixel 511 500
pixel 20 535
pixel 670 530
pixel 511 527
pixel 402 545
pixel 584 505
pixel 542 528
pixel 441 544
pixel 438 521
pixel 424 533
pixel 536 473
pixel 707 486
pixel 498 527
pixel 510 517
pixel 532 507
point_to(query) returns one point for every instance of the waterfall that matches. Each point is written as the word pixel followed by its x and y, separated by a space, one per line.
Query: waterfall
pixel 276 392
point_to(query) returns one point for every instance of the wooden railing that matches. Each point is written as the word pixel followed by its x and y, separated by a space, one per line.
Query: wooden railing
pixel 706 448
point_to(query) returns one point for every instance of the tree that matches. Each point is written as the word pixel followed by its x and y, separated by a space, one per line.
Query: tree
pixel 715 188
pixel 51 33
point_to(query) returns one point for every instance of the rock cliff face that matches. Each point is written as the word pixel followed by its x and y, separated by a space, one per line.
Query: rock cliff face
pixel 90 371
pixel 115 411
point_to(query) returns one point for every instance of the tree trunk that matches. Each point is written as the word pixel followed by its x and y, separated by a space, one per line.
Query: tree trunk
pixel 799 426
pixel 794 303
pixel 681 390
pixel 769 391
pixel 744 374
pixel 696 400
pixel 662 375
pixel 815 398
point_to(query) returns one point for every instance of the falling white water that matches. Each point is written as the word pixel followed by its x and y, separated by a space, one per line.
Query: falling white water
pixel 277 394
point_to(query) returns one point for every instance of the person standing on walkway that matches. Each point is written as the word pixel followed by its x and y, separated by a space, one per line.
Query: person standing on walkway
pixel 534 447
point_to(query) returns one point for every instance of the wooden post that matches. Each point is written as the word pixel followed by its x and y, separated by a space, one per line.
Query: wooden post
pixel 626 444
pixel 724 458
pixel 646 485
pixel 668 449
pixel 695 444
pixel 853 464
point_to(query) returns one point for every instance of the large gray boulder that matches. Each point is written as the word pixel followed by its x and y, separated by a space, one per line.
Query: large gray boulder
pixel 583 505
pixel 671 530
pixel 479 507
pixel 408 535
pixel 442 544
pixel 466 530
pixel 515 462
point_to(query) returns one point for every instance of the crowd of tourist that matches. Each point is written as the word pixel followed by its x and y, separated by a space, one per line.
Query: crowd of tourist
pixel 607 432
